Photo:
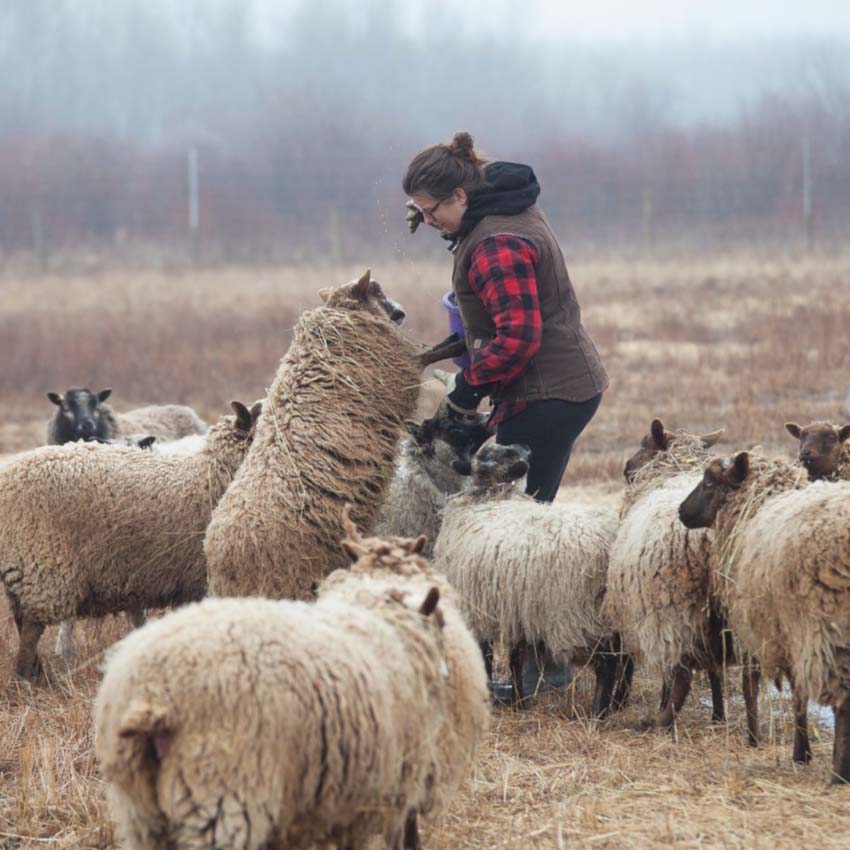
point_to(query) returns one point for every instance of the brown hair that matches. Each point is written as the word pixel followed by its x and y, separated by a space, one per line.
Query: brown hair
pixel 440 169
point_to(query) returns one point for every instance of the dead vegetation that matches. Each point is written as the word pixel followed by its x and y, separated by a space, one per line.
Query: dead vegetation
pixel 741 343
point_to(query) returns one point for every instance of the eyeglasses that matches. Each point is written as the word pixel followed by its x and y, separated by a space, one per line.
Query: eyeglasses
pixel 432 210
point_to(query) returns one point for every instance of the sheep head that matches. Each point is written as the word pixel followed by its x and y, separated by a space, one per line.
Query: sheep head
pixel 80 415
pixel 821 446
pixel 658 440
pixel 721 477
pixel 364 294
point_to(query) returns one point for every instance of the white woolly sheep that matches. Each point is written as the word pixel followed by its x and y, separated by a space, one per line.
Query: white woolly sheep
pixel 328 436
pixel 252 723
pixel 83 415
pixel 658 597
pixel 88 530
pixel 425 474
pixel 783 554
pixel 824 449
pixel 529 572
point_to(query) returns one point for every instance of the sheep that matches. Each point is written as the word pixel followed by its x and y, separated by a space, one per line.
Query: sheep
pixel 824 449
pixel 784 571
pixel 273 724
pixel 328 436
pixel 658 597
pixel 530 572
pixel 425 474
pixel 83 415
pixel 89 530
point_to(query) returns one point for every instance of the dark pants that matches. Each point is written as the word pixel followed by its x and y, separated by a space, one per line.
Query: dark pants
pixel 548 428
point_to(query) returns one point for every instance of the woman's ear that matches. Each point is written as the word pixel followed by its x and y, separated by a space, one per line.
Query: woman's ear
pixel 461 197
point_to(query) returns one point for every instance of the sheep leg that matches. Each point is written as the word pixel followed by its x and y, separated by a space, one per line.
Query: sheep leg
pixel 516 662
pixel 841 747
pixel 679 691
pixel 802 745
pixel 28 665
pixel 626 671
pixel 411 832
pixel 136 617
pixel 751 676
pixel 65 640
pixel 487 651
pixel 716 663
pixel 715 680
pixel 665 694
pixel 606 665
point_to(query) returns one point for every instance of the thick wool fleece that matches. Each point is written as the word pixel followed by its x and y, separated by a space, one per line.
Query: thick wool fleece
pixel 528 570
pixel 246 723
pixel 417 493
pixel 467 714
pixel 328 435
pixel 786 578
pixel 88 529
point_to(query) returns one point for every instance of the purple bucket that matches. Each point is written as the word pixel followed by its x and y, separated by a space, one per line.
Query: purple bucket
pixel 455 326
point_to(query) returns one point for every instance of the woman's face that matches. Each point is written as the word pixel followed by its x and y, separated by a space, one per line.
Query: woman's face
pixel 445 214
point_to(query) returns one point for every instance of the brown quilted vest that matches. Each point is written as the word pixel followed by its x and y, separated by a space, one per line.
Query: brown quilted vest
pixel 567 364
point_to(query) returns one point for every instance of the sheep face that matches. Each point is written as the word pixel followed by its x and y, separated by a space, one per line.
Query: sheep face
pixel 80 416
pixel 821 446
pixel 656 441
pixel 495 465
pixel 721 478
pixel 447 444
pixel 364 294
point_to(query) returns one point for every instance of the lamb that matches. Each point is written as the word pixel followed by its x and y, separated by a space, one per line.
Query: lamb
pixel 328 436
pixel 59 559
pixel 83 415
pixel 824 449
pixel 658 596
pixel 530 572
pixel 784 572
pixel 425 474
pixel 246 723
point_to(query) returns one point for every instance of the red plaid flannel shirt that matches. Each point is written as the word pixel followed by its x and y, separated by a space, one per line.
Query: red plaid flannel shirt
pixel 502 274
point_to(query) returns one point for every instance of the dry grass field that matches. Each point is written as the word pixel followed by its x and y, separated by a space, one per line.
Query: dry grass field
pixel 744 342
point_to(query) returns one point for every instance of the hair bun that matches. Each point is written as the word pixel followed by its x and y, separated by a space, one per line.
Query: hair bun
pixel 462 146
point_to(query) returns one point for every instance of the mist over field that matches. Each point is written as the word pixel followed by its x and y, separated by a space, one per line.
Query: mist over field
pixel 645 129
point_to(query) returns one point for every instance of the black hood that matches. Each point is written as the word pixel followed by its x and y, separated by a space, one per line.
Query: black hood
pixel 510 189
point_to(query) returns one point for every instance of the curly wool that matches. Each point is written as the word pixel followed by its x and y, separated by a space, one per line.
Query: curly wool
pixel 90 529
pixel 527 570
pixel 785 576
pixel 328 435
pixel 467 718
pixel 246 724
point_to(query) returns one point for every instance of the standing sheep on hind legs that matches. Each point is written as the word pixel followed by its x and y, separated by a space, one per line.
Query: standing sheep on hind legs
pixel 328 435
pixel 244 724
pixel 783 560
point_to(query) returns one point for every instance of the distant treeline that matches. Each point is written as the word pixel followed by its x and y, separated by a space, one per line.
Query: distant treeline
pixel 302 134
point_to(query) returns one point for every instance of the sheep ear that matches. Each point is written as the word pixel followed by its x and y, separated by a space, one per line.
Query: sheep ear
pixel 740 467
pixel 659 438
pixel 461 467
pixel 844 433
pixel 104 394
pixel 418 545
pixel 708 440
pixel 517 470
pixel 360 289
pixel 325 294
pixel 793 429
pixel 256 410
pixel 244 422
pixel 429 604
pixel 56 398
pixel 147 442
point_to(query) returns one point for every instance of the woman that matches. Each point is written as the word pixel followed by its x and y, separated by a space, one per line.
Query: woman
pixel 529 351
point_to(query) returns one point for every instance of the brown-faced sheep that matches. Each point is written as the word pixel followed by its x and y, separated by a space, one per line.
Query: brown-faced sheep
pixel 88 529
pixel 328 436
pixel 658 596
pixel 784 569
pixel 824 449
